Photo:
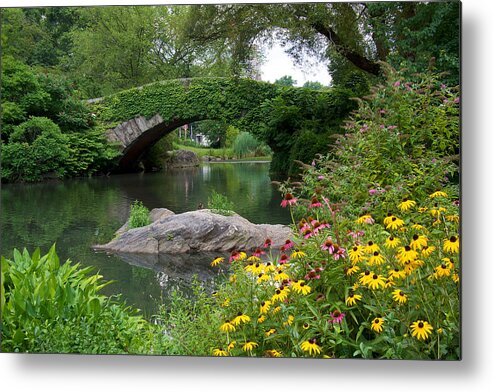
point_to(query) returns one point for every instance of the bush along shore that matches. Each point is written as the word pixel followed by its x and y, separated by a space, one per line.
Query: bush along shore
pixel 372 269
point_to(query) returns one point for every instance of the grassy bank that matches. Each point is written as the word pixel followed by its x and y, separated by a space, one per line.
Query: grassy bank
pixel 222 153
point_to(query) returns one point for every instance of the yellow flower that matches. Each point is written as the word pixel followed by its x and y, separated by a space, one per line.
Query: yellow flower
pixel 273 353
pixel 277 309
pixel 377 324
pixel 455 277
pixel 255 269
pixel 217 261
pixel 262 278
pixel 451 245
pixel 395 223
pixel 261 319
pixel 452 218
pixel 249 346
pixel 442 270
pixel 438 194
pixel 417 226
pixel 298 254
pixel 269 267
pixel 365 277
pixel 356 254
pixel 396 273
pixel 311 346
pixel 392 242
pixel 421 329
pixel 406 254
pixel 418 242
pixel 389 283
pixel 232 278
pixel 427 250
pixel 365 219
pixel 376 259
pixel 227 327
pixel 253 259
pixel 219 352
pixel 270 332
pixel 352 298
pixel 280 294
pixel 280 276
pixel 350 271
pixel 375 282
pixel 289 321
pixel 264 307
pixel 231 345
pixel 406 204
pixel 301 288
pixel 399 296
pixel 388 218
pixel 371 247
pixel 225 303
pixel 240 318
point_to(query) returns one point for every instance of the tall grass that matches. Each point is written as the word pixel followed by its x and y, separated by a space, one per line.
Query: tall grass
pixel 139 215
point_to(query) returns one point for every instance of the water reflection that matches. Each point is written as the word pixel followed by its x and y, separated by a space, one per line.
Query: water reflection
pixel 76 214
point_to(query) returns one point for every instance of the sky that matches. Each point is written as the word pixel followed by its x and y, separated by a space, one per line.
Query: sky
pixel 279 64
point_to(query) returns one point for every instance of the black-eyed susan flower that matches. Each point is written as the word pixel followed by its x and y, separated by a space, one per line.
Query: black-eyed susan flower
pixel 219 352
pixel 253 259
pixel 264 307
pixel 426 251
pixel 365 277
pixel 231 345
pixel 418 242
pixel 376 259
pixel 301 287
pixel 240 318
pixel 376 282
pixel 397 273
pixel 352 298
pixel 406 253
pixel 270 332
pixel 277 309
pixel 365 219
pixel 306 325
pixel 232 278
pixel 262 278
pixel 377 324
pixel 356 254
pixel 395 223
pixel 392 242
pixel 225 303
pixel 217 261
pixel 399 296
pixel 289 321
pixel 297 254
pixel 455 277
pixel 273 353
pixel 418 227
pixel 452 218
pixel 280 295
pixel 406 204
pixel 388 218
pixel 389 283
pixel 351 270
pixel 438 194
pixel 280 275
pixel 311 347
pixel 451 245
pixel 261 319
pixel 442 270
pixel 227 327
pixel 421 329
pixel 249 346
pixel 371 247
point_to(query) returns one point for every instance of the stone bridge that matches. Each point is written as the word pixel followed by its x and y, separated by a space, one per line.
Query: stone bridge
pixel 136 119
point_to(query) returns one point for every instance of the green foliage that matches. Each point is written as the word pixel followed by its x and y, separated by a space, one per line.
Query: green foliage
pixel 51 307
pixel 155 158
pixel 139 215
pixel 220 204
pixel 37 149
pixel 286 81
pixel 231 135
pixel 313 85
pixel 246 145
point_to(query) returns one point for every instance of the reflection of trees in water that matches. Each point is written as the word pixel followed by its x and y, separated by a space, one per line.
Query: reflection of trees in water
pixel 41 214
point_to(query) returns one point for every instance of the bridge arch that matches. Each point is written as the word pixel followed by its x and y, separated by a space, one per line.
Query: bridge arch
pixel 137 118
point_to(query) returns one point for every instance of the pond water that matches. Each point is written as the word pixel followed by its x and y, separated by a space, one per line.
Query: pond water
pixel 78 213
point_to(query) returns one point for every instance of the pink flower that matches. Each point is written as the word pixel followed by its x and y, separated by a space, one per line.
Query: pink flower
pixel 328 245
pixel 234 255
pixel 359 233
pixel 307 233
pixel 267 243
pixel 373 191
pixel 313 274
pixel 258 252
pixel 397 84
pixel 288 200
pixel 443 86
pixel 283 259
pixel 382 126
pixel 364 128
pixel 456 100
pixel 315 203
pixel 392 127
pixel 340 252
pixel 320 177
pixel 337 317
pixel 288 244
pixel 381 111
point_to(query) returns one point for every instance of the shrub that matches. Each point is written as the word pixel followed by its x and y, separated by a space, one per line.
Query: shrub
pixel 220 204
pixel 56 308
pixel 139 215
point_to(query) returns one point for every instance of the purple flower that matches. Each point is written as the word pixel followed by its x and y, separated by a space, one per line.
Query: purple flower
pixel 456 100
pixel 397 84
pixel 337 317
pixel 373 191
pixel 320 177
pixel 392 127
pixel 443 86
pixel 382 126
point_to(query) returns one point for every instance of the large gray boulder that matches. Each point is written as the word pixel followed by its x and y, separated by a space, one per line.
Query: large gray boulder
pixel 195 231
pixel 182 158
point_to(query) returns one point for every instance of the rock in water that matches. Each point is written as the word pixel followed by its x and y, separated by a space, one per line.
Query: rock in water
pixel 195 231
pixel 183 158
